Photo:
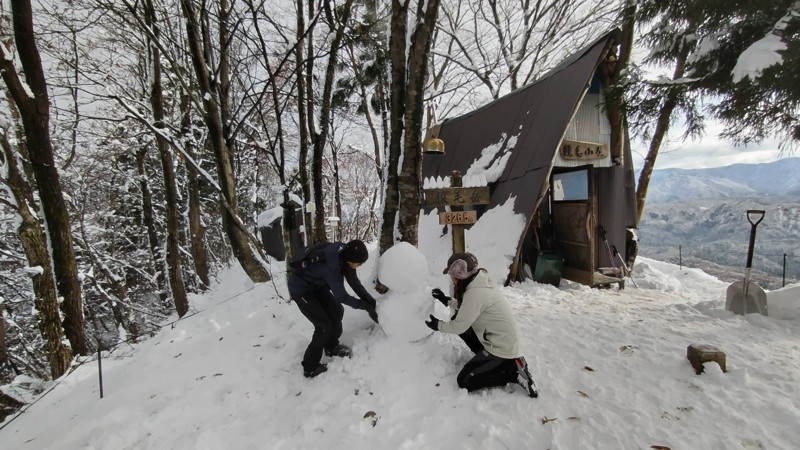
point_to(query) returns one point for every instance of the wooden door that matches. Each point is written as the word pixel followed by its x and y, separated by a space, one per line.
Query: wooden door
pixel 572 210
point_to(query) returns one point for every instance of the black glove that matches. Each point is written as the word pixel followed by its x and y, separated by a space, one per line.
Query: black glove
pixel 433 324
pixel 370 303
pixel 439 295
pixel 373 314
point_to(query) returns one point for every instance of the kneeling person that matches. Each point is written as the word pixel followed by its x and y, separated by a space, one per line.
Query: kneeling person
pixel 485 322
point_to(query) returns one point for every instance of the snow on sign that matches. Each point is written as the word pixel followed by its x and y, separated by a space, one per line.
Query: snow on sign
pixel 458 218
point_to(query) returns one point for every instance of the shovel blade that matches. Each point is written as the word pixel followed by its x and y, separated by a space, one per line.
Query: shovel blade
pixel 754 301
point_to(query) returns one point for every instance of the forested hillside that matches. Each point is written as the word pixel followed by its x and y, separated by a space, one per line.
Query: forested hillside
pixel 691 218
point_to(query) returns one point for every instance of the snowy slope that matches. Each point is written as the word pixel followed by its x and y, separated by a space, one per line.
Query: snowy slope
pixel 611 366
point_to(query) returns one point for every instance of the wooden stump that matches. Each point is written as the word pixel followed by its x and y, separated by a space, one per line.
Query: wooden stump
pixel 699 354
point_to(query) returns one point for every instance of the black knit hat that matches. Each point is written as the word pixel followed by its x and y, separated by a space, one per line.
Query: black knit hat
pixel 355 251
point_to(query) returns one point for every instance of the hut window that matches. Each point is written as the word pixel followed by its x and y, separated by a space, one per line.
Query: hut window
pixel 571 186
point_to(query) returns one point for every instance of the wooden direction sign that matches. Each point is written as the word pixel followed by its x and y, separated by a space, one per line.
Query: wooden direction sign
pixel 458 218
pixel 457 196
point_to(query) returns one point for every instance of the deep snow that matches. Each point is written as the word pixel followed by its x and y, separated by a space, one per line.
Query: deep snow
pixel 611 366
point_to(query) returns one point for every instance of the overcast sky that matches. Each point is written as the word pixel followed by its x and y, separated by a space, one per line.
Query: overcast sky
pixel 709 151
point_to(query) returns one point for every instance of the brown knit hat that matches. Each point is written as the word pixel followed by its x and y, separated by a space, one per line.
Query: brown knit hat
pixel 461 266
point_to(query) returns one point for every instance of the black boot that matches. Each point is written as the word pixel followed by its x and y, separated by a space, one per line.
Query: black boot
pixel 524 378
pixel 311 374
pixel 339 350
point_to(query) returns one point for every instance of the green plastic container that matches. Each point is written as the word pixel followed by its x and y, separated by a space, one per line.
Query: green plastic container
pixel 548 268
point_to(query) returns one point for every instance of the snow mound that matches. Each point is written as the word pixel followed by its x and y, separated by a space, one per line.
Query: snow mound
pixel 404 270
pixel 402 267
pixel 784 303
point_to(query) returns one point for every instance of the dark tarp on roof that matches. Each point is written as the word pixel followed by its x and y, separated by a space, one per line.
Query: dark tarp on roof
pixel 538 113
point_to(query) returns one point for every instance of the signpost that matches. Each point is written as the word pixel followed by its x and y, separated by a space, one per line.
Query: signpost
pixel 456 197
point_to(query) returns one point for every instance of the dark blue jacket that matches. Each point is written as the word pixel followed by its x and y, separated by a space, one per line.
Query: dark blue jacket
pixel 330 274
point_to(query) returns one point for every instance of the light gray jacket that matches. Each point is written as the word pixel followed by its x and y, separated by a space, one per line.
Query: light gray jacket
pixel 487 311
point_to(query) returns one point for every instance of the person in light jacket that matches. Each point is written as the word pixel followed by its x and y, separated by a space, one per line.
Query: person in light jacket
pixel 484 320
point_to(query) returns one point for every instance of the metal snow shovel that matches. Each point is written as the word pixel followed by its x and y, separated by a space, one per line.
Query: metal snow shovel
pixel 747 297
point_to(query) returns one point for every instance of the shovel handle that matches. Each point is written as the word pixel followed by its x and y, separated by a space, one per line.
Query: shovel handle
pixel 760 214
pixel 755 212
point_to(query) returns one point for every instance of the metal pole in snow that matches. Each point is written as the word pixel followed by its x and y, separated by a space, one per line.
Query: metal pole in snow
pixel 784 270
pixel 680 258
pixel 100 371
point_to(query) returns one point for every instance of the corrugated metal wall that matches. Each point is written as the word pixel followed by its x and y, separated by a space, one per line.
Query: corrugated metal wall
pixel 589 124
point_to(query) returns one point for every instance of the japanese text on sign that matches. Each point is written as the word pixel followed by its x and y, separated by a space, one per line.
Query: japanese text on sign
pixel 576 150
pixel 457 196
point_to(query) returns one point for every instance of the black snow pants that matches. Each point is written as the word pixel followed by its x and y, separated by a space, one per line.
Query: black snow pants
pixel 484 369
pixel 325 313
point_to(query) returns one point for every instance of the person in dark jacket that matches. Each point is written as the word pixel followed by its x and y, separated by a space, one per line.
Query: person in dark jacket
pixel 484 321
pixel 317 287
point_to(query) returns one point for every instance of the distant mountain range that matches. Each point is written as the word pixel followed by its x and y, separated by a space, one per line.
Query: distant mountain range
pixel 699 217
pixel 779 179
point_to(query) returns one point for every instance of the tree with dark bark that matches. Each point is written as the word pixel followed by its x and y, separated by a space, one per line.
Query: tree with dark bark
pixel 34 242
pixel 196 232
pixel 214 101
pixel 338 18
pixel 409 68
pixel 31 99
pixel 173 260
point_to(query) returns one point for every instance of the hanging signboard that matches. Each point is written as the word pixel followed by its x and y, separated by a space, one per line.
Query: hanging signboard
pixel 582 151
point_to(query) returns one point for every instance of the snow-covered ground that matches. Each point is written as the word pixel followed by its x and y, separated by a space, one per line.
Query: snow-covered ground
pixel 611 367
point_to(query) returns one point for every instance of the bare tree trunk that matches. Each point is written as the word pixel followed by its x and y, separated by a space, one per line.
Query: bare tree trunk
pixel 289 224
pixel 662 126
pixel 34 243
pixel 175 273
pixel 150 224
pixel 213 119
pixel 35 114
pixel 615 103
pixel 196 230
pixel 76 111
pixel 397 96
pixel 3 347
pixel 615 108
pixel 409 73
pixel 303 121
pixel 337 193
pixel 320 138
pixel 409 182
pixel 311 226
